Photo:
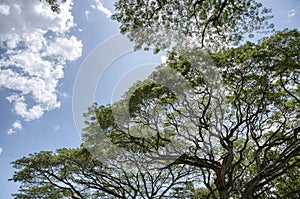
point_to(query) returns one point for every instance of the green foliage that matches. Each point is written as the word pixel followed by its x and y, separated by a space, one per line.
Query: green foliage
pixel 158 23
pixel 210 124
pixel 201 193
pixel 75 173
pixel 244 140
pixel 49 175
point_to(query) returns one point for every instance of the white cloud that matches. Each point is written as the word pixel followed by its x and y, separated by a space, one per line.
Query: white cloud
pixel 63 48
pixel 16 126
pixel 4 9
pixel 99 6
pixel 87 14
pixel 36 44
pixel 1 150
pixel 291 13
pixel 10 131
pixel 64 95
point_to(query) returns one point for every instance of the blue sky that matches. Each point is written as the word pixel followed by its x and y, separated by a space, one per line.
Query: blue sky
pixel 40 56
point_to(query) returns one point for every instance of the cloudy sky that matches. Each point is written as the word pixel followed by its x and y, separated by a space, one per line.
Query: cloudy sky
pixel 41 54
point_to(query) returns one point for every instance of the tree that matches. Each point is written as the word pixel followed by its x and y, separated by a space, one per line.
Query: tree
pixel 158 23
pixel 229 121
pixel 75 173
pixel 244 142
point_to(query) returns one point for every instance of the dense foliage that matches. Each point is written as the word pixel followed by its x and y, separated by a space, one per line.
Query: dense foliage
pixel 158 23
pixel 238 137
pixel 77 174
pixel 206 124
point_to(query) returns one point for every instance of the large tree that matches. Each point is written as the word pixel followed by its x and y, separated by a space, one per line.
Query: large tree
pixel 242 131
pixel 222 124
pixel 228 121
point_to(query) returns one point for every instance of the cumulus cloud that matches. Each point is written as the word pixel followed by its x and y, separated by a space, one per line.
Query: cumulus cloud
pixel 36 45
pixel 1 150
pixel 16 126
pixel 99 6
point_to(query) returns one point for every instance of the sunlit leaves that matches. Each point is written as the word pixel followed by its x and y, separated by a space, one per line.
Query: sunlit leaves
pixel 211 23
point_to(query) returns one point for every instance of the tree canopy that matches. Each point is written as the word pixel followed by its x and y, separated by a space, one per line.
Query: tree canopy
pixel 159 23
pixel 233 131
pixel 205 124
pixel 77 174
